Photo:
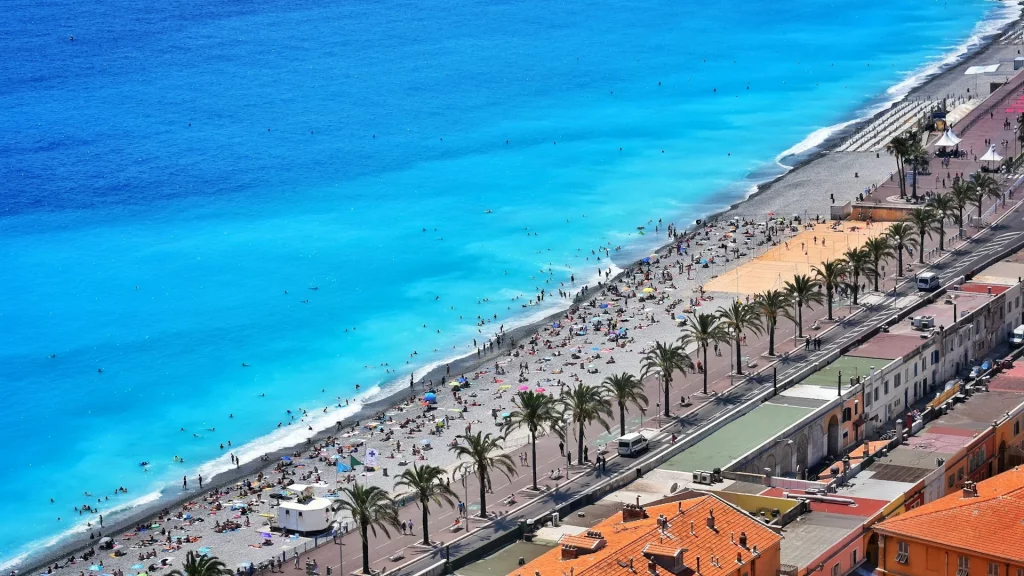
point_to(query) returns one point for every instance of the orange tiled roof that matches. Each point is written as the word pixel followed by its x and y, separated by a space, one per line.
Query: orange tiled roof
pixel 580 541
pixel 989 524
pixel 627 541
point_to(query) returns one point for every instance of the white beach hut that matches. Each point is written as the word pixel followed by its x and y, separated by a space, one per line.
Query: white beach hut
pixel 306 513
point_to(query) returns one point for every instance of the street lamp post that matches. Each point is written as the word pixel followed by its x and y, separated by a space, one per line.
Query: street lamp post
pixel 465 485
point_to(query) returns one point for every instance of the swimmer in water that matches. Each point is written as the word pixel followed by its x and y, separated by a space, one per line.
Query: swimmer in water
pixel 244 365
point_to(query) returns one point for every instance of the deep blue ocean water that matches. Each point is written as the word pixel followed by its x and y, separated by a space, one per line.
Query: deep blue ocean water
pixel 168 174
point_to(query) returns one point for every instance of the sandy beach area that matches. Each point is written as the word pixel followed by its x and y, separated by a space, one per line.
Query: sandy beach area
pixel 607 330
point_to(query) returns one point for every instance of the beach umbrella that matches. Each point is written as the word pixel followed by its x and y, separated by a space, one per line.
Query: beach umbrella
pixel 524 388
pixel 453 384
pixel 137 567
pixel 430 397
pixel 95 568
pixel 286 458
pixel 540 390
pixel 646 260
pixel 605 305
pixel 648 290
pixel 204 550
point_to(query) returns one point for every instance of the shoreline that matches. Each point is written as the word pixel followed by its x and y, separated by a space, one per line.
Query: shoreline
pixel 392 393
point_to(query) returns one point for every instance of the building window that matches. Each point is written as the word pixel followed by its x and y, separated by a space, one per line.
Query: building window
pixel 867 398
pixel 876 391
pixel 1016 427
pixel 952 480
pixel 963 565
pixel 835 569
pixel 853 562
pixel 993 569
pixel 885 385
pixel 935 357
pixel 902 552
pixel 1020 571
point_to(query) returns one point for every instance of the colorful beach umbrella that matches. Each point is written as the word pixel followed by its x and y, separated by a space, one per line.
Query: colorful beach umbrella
pixel 648 290
pixel 524 388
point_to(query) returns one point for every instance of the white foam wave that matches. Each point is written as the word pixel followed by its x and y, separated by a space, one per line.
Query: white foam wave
pixel 284 437
pixel 812 141
pixel 79 527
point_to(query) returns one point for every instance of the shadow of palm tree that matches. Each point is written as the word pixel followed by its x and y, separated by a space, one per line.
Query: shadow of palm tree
pixel 728 399
pixel 691 420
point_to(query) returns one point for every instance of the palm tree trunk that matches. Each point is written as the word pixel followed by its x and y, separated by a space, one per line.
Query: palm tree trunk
pixel 942 238
pixel 876 277
pixel 533 455
pixel 426 534
pixel 622 418
pixel 739 365
pixel 366 548
pixel 979 208
pixel 800 320
pixel 579 446
pixel 899 261
pixel 668 384
pixel 483 497
pixel 920 250
pixel 828 296
pixel 705 369
pixel 771 337
pixel 856 287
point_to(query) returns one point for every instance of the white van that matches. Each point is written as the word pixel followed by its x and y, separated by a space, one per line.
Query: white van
pixel 1017 337
pixel 632 444
pixel 928 281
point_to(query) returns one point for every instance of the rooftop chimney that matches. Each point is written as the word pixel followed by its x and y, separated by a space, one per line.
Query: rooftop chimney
pixel 698 564
pixel 732 537
pixel 711 519
pixel 754 551
pixel 739 558
pixel 970 490
pixel 691 528
pixel 743 539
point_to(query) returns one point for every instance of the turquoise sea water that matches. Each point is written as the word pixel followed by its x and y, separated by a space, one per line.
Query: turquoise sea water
pixel 173 170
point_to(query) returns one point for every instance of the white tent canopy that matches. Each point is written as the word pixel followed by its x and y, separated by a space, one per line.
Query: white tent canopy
pixel 991 155
pixel 981 69
pixel 948 139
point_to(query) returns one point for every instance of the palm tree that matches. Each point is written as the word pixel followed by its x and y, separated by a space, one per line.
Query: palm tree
pixel 924 221
pixel 371 507
pixel 831 275
pixel 201 565
pixel 984 186
pixel 770 304
pixel 739 317
pixel 705 330
pixel 879 249
pixel 858 263
pixel 945 206
pixel 480 455
pixel 963 194
pixel 626 389
pixel 901 235
pixel 663 360
pixel 901 147
pixel 533 411
pixel 427 485
pixel 585 404
pixel 804 291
